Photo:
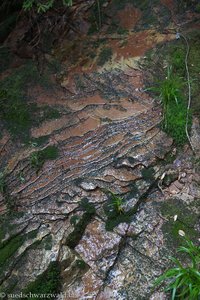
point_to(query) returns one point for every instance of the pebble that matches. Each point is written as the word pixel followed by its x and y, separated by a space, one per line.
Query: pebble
pixel 183 175
pixel 88 186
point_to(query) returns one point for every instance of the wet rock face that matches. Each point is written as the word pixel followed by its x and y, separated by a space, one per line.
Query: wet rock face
pixel 106 140
pixel 97 210
pixel 105 143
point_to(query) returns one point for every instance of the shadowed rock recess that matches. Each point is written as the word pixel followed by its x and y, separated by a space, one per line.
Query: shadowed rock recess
pixel 61 232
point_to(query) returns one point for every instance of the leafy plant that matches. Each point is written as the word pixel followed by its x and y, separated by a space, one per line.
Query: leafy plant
pixel 116 203
pixel 115 212
pixel 178 60
pixel 184 281
pixel 170 92
pixel 42 7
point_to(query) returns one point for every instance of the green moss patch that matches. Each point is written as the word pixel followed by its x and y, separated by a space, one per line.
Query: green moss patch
pixel 80 225
pixel 81 264
pixel 104 56
pixel 176 123
pixel 74 220
pixel 186 220
pixel 9 248
pixel 114 219
pixel 15 111
pixel 148 174
pixel 194 67
pixel 169 178
pixel 133 191
pixel 48 242
pixel 49 282
pixel 35 142
pixel 38 158
pixel 47 113
pixel 32 234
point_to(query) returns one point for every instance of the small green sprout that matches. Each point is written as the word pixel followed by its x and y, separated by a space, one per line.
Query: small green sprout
pixel 116 203
pixel 21 177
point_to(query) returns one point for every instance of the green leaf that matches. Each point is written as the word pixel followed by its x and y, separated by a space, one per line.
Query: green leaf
pixel 183 281
pixel 174 293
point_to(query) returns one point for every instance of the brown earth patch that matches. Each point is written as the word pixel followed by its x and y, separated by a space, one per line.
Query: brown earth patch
pixel 138 43
pixel 129 16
